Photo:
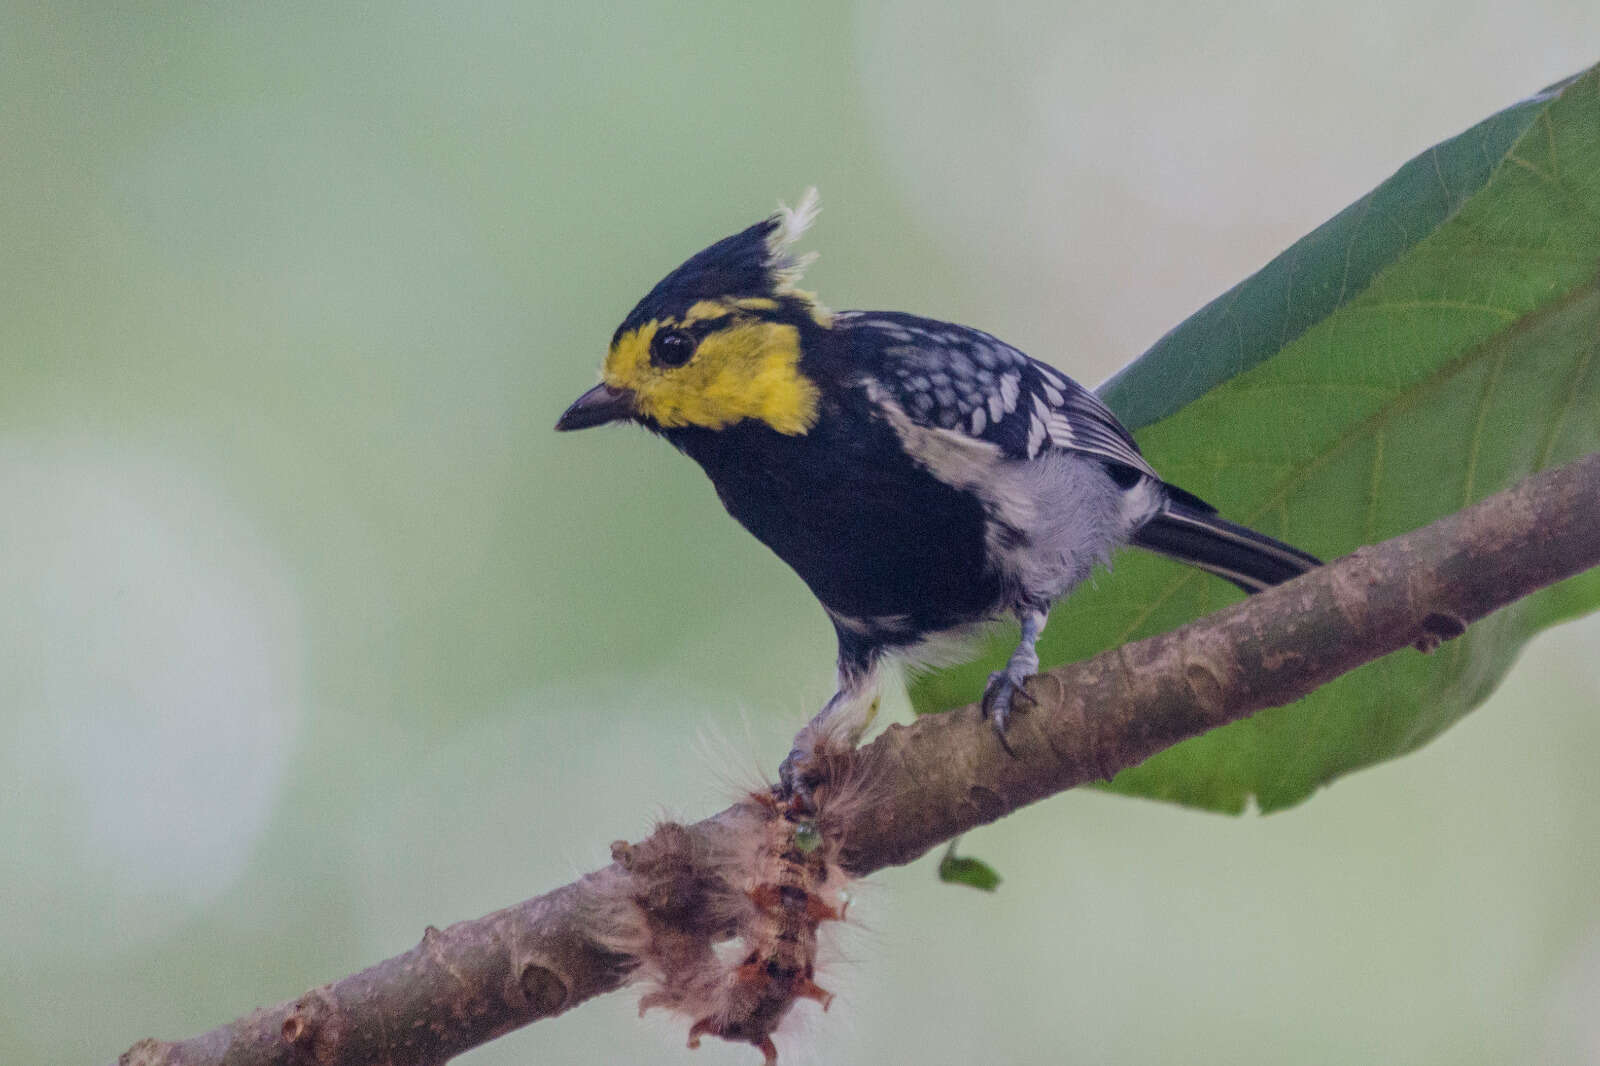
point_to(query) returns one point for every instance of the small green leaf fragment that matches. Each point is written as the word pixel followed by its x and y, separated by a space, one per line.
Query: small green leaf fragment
pixel 806 837
pixel 964 870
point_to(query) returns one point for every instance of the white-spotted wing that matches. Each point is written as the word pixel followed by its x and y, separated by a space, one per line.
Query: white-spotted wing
pixel 964 380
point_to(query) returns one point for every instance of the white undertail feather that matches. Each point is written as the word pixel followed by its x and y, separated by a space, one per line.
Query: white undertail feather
pixel 792 225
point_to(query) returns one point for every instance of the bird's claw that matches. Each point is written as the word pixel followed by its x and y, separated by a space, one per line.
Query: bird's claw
pixel 1000 698
pixel 798 777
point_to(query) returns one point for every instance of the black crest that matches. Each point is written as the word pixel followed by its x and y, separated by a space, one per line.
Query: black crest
pixel 752 263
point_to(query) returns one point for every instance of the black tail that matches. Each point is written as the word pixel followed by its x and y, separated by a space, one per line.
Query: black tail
pixel 1189 530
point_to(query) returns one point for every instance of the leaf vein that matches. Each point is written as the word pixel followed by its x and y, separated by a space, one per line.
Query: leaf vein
pixel 1552 431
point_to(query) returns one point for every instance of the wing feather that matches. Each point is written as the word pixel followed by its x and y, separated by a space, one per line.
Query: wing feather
pixel 965 381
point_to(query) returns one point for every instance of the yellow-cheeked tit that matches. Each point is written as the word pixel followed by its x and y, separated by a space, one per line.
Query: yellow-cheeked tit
pixel 921 477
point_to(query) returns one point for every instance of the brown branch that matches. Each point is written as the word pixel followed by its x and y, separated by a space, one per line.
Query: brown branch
pixel 945 774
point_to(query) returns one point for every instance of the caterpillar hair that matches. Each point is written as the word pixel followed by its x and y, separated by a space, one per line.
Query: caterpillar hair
pixel 767 889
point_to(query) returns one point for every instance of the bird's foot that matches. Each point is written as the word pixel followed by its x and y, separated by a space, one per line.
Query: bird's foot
pixel 799 775
pixel 834 732
pixel 1003 695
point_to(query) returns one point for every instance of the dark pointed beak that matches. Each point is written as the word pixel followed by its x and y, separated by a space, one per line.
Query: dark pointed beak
pixel 596 407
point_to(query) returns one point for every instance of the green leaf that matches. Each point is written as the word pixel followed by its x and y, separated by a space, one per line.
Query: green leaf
pixel 964 870
pixel 1432 344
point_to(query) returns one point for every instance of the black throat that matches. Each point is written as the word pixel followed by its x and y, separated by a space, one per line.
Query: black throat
pixel 893 553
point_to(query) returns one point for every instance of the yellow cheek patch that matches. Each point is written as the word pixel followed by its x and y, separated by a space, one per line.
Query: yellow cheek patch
pixel 751 369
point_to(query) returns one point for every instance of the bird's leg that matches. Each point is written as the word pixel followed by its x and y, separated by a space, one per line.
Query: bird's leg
pixel 1005 686
pixel 839 725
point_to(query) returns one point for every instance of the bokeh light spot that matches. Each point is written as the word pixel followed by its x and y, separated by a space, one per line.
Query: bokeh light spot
pixel 150 653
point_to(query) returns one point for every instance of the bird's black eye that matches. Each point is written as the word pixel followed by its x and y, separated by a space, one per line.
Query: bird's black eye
pixel 671 347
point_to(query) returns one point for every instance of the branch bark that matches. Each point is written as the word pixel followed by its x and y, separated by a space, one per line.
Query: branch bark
pixel 945 774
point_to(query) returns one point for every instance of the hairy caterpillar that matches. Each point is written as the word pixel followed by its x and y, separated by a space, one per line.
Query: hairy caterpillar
pixel 766 891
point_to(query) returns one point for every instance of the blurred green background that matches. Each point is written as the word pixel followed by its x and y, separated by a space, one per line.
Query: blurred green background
pixel 313 633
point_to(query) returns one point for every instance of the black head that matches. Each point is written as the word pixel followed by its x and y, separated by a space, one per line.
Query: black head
pixel 717 341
